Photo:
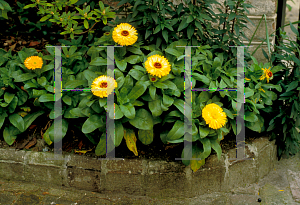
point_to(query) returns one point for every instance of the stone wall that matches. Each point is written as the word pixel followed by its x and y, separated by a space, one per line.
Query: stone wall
pixel 261 7
pixel 141 177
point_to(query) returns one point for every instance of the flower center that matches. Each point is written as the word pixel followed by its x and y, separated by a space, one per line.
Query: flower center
pixel 103 85
pixel 34 62
pixel 125 33
pixel 270 74
pixel 153 79
pixel 157 65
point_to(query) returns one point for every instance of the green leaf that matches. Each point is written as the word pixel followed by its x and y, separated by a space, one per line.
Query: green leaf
pixel 46 98
pixel 101 147
pixel 145 136
pixel 119 133
pixel 86 24
pixel 74 84
pixel 165 35
pixel 67 99
pixel 250 117
pixel 118 113
pixel 13 105
pixel 179 104
pixel 248 92
pixel 216 146
pixel 45 18
pixel 155 107
pixel 203 131
pixel 173 52
pixel 8 97
pixel 42 81
pixel 121 64
pixel 206 147
pixel 133 59
pixel 201 78
pixel 57 135
pixel 17 121
pixel 92 123
pixel 177 131
pixel 10 134
pixel 143 120
pixel 183 24
pixel 128 110
pixel 170 85
pixel 152 91
pixel 2 119
pixel 167 100
pixel 292 86
pixel 98 61
pixel 24 77
pixel 231 16
pixel 28 119
pixel 137 91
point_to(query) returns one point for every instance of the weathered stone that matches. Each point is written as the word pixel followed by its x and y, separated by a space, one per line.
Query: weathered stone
pixel 84 162
pixel 261 31
pixel 240 174
pixel 158 166
pixel 267 7
pixel 207 181
pixel 7 198
pixel 239 199
pixel 12 154
pixel 14 171
pixel 45 174
pixel 131 166
pixel 271 195
pixel 25 199
pixel 123 184
pixel 45 158
pixel 84 179
pixel 264 161
pixel 56 200
pixel 161 185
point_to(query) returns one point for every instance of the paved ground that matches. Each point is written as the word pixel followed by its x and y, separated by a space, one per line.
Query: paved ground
pixel 280 186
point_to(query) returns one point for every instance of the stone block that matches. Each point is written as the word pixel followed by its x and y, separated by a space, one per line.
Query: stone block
pixel 131 166
pixel 259 56
pixel 84 162
pixel 12 171
pixel 240 174
pixel 213 162
pixel 123 184
pixel 12 154
pixel 84 179
pixel 264 161
pixel 267 7
pixel 45 158
pixel 158 166
pixel 45 175
pixel 261 31
pixel 207 181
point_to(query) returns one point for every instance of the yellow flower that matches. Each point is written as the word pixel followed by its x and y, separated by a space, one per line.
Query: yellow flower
pixel 267 74
pixel 33 62
pixel 125 34
pixel 214 116
pixel 99 86
pixel 247 78
pixel 157 65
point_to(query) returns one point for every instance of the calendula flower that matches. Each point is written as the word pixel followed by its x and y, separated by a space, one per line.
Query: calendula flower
pixel 33 62
pixel 100 86
pixel 214 116
pixel 157 65
pixel 267 74
pixel 125 34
